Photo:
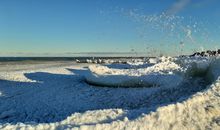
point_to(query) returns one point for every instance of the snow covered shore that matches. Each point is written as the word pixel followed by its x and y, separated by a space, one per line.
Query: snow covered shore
pixel 57 96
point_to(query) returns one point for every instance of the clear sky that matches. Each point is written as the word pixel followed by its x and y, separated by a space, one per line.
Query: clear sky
pixel 66 27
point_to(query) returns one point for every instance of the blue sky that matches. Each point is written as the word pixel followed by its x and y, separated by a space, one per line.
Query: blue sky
pixel 43 27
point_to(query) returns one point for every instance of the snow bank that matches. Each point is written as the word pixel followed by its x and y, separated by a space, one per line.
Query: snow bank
pixel 201 111
pixel 160 74
pixel 206 67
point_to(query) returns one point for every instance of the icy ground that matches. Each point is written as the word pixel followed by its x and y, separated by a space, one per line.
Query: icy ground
pixel 56 96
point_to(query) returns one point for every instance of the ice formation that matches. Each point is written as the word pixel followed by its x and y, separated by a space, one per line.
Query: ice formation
pixel 164 73
pixel 57 97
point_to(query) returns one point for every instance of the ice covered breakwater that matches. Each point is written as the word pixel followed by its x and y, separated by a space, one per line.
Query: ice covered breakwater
pixel 127 60
pixel 111 60
pixel 207 53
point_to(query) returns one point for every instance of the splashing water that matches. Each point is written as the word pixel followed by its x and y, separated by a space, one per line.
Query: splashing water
pixel 168 30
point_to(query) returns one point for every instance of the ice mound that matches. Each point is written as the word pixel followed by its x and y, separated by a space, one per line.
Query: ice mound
pixel 164 73
pixel 14 76
pixel 213 72
pixel 205 67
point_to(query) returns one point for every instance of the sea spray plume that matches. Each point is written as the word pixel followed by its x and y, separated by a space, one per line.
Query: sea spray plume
pixel 170 29
pixel 177 6
pixel 166 26
pixel 188 33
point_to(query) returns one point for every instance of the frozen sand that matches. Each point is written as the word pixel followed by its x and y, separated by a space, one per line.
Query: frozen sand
pixel 56 97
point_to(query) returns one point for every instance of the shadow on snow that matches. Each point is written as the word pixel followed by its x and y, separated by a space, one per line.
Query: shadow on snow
pixel 54 97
